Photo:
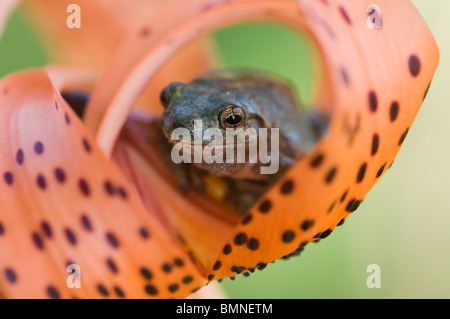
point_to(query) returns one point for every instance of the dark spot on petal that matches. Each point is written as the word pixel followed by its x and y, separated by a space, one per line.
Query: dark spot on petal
pixel 344 76
pixel 37 240
pixel 381 170
pixel 70 236
pixel 373 102
pixel 237 269
pixel 10 275
pixel 144 32
pixel 361 173
pixel 426 92
pixel 344 196
pixel 166 267
pixel 187 280
pixel 265 206
pixel 111 265
pixel 143 232
pixel 217 265
pixel 403 137
pixel 38 147
pixel 247 219
pixel 352 205
pixel 122 192
pixel 119 292
pixel 67 118
pixel 240 239
pixel 151 290
pixel 46 229
pixel 112 240
pixel 414 65
pixel 330 209
pixel 227 249
pixel 109 188
pixel 375 144
pixel 345 15
pixel 8 177
pixel 317 160
pixel 331 175
pixel 253 244
pixel 307 224
pixel 393 112
pixel 86 145
pixel 288 236
pixel 41 182
pixel 178 262
pixel 326 233
pixel 20 156
pixel 287 187
pixel 261 266
pixel 86 223
pixel 102 290
pixel 84 187
pixel 53 293
pixel 146 273
pixel 60 175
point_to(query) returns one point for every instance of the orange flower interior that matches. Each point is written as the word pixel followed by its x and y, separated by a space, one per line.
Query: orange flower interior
pixel 123 220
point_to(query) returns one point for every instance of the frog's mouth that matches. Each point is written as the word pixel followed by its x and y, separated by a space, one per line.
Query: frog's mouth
pixel 210 144
pixel 193 141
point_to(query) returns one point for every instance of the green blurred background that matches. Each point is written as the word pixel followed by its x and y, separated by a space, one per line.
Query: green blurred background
pixel 403 224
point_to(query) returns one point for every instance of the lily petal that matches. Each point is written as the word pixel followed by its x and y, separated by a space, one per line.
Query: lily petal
pixel 113 21
pixel 378 79
pixel 105 24
pixel 150 34
pixel 374 81
pixel 62 202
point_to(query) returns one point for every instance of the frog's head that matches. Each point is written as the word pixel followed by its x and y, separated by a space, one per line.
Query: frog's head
pixel 214 106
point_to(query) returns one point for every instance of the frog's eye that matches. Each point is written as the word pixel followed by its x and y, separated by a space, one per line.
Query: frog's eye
pixel 232 117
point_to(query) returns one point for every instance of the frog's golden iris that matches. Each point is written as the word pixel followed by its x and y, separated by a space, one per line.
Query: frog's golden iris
pixel 232 117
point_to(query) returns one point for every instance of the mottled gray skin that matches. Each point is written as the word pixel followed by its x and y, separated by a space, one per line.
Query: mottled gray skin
pixel 267 101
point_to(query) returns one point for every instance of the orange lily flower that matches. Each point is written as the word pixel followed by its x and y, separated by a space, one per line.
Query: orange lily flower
pixel 96 193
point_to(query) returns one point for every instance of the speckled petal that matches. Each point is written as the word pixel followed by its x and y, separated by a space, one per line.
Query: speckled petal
pixel 377 80
pixel 62 202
